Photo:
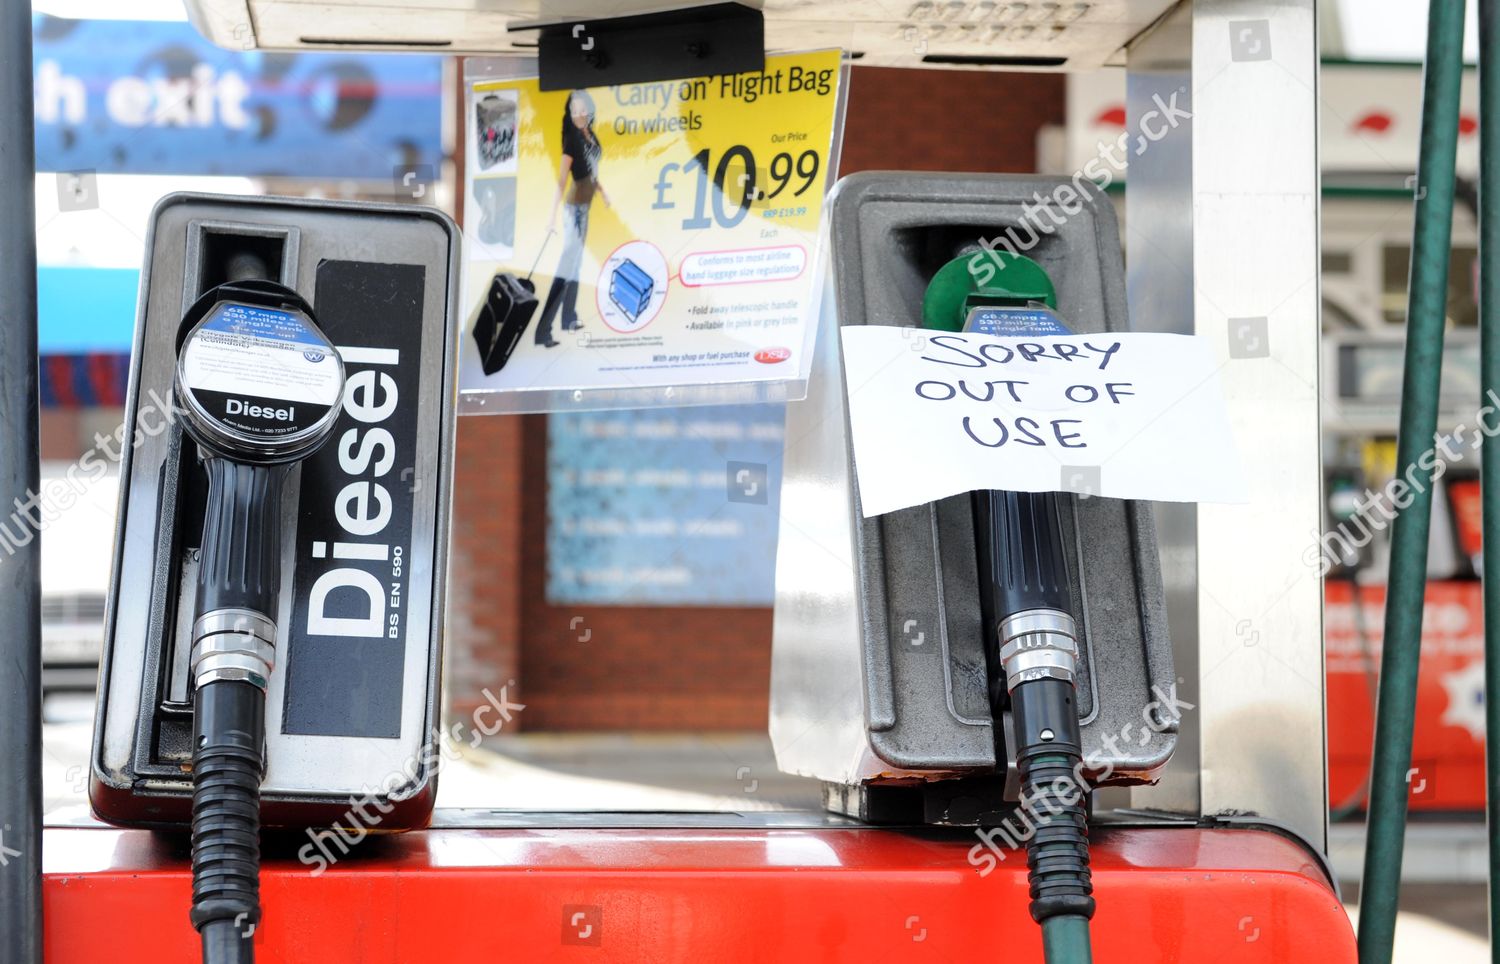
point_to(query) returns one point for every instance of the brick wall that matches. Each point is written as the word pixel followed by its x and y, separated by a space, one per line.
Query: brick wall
pixel 947 120
pixel 656 668
pixel 483 635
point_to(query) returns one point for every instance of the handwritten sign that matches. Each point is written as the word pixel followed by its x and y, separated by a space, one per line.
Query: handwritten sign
pixel 1132 415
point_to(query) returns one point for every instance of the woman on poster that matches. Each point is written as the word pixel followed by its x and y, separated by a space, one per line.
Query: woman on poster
pixel 581 156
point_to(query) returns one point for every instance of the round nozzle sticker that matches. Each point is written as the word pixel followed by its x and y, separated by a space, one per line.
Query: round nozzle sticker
pixel 258 376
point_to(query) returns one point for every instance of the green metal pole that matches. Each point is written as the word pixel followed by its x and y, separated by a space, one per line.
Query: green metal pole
pixel 1489 455
pixel 1425 315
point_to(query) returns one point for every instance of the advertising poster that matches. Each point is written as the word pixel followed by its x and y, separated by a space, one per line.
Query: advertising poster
pixel 664 507
pixel 645 244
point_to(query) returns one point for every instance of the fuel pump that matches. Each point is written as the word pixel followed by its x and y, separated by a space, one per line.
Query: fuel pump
pixel 274 634
pixel 1030 633
pixel 977 658
pixel 258 387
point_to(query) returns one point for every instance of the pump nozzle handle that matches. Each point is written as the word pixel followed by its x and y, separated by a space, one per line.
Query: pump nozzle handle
pixel 1027 556
pixel 259 387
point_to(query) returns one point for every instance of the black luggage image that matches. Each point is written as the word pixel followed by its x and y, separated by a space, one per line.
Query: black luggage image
pixel 507 310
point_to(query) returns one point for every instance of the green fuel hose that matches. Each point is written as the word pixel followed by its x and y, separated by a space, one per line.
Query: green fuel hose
pixel 1425 317
pixel 1066 938
pixel 1489 455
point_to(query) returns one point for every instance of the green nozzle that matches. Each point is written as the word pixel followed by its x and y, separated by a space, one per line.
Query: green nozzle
pixel 983 277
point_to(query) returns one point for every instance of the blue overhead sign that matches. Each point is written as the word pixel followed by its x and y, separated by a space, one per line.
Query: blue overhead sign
pixel 154 97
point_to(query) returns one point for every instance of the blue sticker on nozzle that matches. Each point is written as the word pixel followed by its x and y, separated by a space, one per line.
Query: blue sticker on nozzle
pixel 1032 320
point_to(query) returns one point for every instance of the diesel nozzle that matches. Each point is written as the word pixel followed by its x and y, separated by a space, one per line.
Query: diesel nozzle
pixel 1026 599
pixel 258 387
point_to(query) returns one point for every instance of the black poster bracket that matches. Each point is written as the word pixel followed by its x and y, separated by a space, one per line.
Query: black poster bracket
pixel 708 40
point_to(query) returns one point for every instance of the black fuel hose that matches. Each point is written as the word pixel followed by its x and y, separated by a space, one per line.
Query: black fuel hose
pixel 228 728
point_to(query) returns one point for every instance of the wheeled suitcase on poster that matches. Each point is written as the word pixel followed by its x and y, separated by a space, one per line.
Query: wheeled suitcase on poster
pixel 630 289
pixel 507 310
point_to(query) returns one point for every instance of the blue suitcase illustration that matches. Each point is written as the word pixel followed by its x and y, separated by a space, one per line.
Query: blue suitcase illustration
pixel 630 289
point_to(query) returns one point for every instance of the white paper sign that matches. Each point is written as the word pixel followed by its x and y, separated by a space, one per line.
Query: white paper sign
pixel 1133 416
